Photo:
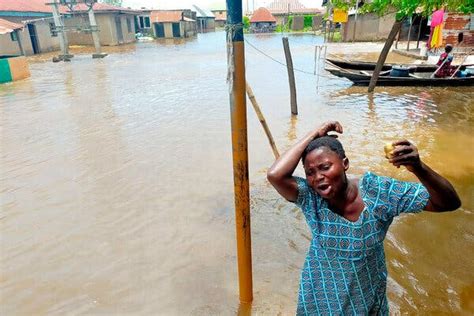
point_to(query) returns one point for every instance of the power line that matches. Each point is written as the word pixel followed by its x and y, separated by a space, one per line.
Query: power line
pixel 284 64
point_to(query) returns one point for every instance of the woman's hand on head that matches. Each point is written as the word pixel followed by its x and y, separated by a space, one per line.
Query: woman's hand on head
pixel 405 154
pixel 330 126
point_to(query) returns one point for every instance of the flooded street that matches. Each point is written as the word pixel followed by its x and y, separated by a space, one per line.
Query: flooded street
pixel 117 190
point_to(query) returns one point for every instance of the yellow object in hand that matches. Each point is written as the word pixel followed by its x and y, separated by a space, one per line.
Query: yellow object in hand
pixel 388 148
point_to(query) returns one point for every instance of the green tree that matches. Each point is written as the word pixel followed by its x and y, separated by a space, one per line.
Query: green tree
pixel 113 2
pixel 246 22
pixel 403 9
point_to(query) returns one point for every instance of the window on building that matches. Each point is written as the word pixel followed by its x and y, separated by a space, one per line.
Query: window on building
pixel 52 30
pixel 129 25
pixel 14 36
pixel 144 22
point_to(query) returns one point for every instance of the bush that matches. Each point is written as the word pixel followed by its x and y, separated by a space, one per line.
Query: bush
pixel 246 22
pixel 308 21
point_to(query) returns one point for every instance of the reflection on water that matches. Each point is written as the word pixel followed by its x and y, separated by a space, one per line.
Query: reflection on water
pixel 116 182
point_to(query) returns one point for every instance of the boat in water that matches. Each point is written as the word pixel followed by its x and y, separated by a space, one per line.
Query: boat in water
pixel 412 76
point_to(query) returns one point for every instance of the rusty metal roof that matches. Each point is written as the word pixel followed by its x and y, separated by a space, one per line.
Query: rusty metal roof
pixel 8 27
pixel 104 7
pixel 43 7
pixel 262 15
pixel 166 15
pixel 25 6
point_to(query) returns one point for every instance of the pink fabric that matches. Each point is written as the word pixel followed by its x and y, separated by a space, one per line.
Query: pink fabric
pixel 437 17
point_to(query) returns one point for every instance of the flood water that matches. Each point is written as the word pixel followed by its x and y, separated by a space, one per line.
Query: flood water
pixel 117 193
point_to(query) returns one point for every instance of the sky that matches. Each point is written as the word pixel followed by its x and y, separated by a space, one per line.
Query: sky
pixel 205 4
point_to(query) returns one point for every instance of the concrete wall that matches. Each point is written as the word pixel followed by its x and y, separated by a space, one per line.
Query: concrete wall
pixel 369 27
pixel 206 24
pixel 7 46
pixel 186 29
pixel 108 35
pixel 46 41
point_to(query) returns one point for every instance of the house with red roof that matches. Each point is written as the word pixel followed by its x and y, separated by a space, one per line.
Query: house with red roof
pixel 116 25
pixel 9 38
pixel 37 34
pixel 173 23
pixel 282 10
pixel 221 17
pixel 262 21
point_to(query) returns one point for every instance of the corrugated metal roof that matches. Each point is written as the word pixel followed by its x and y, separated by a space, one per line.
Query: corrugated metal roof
pixel 262 15
pixel 202 13
pixel 104 7
pixel 41 6
pixel 166 15
pixel 297 11
pixel 25 6
pixel 8 27
pixel 283 5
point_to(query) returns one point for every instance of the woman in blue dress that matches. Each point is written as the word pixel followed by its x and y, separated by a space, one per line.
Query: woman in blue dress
pixel 345 272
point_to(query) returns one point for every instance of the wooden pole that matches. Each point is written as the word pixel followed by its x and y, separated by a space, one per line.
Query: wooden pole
pixel 398 39
pixel 409 33
pixel 291 76
pixel 262 120
pixel 383 54
pixel 419 33
pixel 238 111
pixel 355 21
pixel 460 65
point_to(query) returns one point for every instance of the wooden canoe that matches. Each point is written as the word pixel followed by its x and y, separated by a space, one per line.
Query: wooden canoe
pixel 365 65
pixel 362 78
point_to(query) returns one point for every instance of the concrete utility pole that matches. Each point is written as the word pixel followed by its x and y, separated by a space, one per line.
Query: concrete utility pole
pixel 95 35
pixel 59 26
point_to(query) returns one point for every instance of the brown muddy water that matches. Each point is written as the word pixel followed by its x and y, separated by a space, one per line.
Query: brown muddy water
pixel 117 195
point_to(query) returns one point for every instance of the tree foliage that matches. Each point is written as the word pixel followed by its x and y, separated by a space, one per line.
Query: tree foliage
pixel 113 2
pixel 405 8
pixel 246 22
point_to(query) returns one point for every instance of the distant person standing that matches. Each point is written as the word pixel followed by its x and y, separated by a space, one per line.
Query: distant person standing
pixel 444 63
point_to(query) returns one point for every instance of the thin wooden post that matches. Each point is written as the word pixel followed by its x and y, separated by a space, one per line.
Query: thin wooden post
pixel 419 33
pixel 398 39
pixel 291 76
pixel 355 21
pixel 238 111
pixel 409 33
pixel 262 120
pixel 383 54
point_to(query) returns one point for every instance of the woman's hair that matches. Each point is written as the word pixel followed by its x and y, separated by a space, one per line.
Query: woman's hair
pixel 326 141
pixel 448 48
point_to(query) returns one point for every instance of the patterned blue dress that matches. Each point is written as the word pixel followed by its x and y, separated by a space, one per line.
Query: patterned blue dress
pixel 344 272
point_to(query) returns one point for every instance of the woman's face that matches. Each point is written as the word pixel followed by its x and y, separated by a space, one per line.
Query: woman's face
pixel 326 172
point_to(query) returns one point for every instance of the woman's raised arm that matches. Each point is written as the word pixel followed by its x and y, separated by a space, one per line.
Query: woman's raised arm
pixel 280 174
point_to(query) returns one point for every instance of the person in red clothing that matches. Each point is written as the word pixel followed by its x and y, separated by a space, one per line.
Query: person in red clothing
pixel 444 63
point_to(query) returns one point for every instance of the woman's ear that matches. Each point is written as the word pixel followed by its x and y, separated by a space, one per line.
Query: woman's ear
pixel 345 162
